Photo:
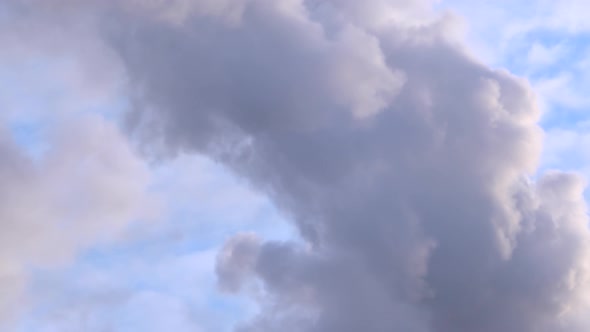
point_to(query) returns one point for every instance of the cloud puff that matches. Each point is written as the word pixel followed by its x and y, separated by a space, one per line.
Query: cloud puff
pixel 403 162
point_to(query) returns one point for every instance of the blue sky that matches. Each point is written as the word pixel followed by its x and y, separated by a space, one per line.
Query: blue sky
pixel 163 262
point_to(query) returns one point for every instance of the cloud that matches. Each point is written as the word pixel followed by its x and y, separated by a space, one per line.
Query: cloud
pixel 567 148
pixel 158 274
pixel 551 34
pixel 237 260
pixel 404 163
pixel 130 295
pixel 420 214
pixel 541 55
pixel 86 189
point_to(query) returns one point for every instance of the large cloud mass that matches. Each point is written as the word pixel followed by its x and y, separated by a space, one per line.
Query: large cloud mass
pixel 405 163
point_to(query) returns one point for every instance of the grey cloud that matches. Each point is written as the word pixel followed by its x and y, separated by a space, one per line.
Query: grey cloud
pixel 237 260
pixel 420 214
pixel 404 162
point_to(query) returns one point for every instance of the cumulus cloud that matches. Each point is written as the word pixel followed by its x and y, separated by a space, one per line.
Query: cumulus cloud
pixel 550 34
pixel 404 163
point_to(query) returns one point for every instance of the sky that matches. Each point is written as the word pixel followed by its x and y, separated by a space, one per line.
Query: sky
pixel 294 165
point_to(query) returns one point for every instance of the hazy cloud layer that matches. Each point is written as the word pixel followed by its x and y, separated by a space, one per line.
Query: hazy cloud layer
pixel 402 160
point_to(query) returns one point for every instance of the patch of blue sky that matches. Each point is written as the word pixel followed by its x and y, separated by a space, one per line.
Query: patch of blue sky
pixel 543 53
pixel 173 258
pixel 35 95
pixel 209 202
pixel 103 287
pixel 30 87
pixel 31 138
pixel 558 68
pixel 560 82
pixel 20 102
pixel 87 293
pixel 563 117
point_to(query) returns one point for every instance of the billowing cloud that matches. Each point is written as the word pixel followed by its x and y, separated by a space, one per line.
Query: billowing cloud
pixel 404 162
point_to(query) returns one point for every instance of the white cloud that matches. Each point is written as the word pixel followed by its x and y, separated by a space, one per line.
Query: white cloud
pixel 541 55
